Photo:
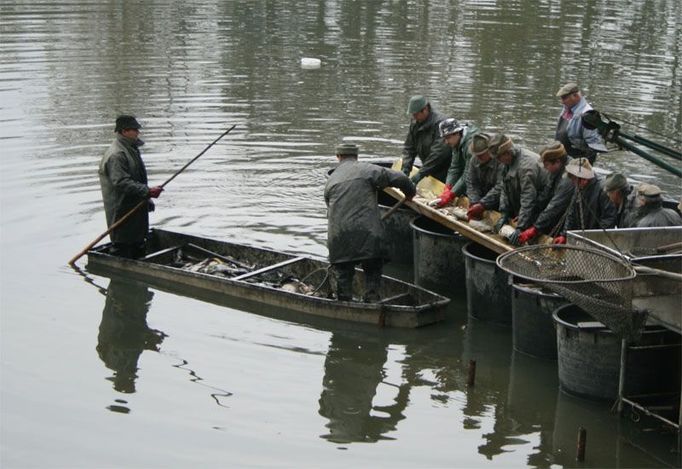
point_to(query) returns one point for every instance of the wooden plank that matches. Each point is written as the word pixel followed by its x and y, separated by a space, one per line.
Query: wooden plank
pixel 160 253
pixel 219 256
pixel 269 268
pixel 393 298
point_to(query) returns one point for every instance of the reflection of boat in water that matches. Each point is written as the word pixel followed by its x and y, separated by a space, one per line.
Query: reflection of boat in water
pixel 268 277
pixel 124 333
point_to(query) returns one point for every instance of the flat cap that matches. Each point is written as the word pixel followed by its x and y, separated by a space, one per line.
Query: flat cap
pixel 648 190
pixel 416 104
pixel 347 149
pixel 615 182
pixel 479 144
pixel 580 167
pixel 499 144
pixel 552 151
pixel 568 88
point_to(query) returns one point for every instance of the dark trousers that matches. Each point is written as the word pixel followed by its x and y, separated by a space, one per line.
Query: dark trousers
pixel 128 250
pixel 345 271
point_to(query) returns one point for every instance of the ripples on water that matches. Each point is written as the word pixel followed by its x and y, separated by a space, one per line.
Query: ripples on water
pixel 190 70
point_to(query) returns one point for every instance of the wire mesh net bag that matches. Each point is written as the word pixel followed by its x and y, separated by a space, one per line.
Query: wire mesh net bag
pixel 598 282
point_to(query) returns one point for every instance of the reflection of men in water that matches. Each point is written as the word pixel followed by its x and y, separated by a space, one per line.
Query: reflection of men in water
pixel 123 332
pixel 123 178
pixel 352 371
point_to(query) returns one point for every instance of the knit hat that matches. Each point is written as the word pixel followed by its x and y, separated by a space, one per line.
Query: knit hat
pixel 552 152
pixel 615 182
pixel 580 167
pixel 479 144
pixel 347 149
pixel 499 144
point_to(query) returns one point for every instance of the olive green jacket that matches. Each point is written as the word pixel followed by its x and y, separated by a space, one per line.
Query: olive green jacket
pixel 459 163
pixel 424 141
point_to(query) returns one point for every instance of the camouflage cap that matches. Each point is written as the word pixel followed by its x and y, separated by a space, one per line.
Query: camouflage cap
pixel 347 149
pixel 552 151
pixel 568 88
pixel 479 144
pixel 615 182
pixel 581 168
pixel 499 145
pixel 416 104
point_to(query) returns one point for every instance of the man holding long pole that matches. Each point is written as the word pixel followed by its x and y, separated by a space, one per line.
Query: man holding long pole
pixel 123 178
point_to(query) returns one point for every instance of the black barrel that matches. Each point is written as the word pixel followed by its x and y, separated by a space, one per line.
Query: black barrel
pixel 397 230
pixel 488 288
pixel 589 358
pixel 438 260
pixel 533 326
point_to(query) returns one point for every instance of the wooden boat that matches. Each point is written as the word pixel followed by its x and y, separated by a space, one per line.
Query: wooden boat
pixel 453 215
pixel 183 263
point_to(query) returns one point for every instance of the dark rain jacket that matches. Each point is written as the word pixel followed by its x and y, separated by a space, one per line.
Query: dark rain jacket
pixel 654 215
pixel 123 179
pixel 459 162
pixel 520 185
pixel 355 231
pixel 481 182
pixel 595 206
pixel 554 202
pixel 423 141
pixel 627 212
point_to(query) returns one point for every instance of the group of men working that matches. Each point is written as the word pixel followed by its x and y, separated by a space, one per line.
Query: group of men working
pixel 549 192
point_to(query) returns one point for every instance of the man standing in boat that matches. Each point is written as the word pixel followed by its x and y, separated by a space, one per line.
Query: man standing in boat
pixel 458 137
pixel 123 179
pixel 423 141
pixel 591 208
pixel 578 140
pixel 355 231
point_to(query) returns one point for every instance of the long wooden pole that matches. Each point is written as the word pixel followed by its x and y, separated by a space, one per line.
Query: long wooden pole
pixel 394 208
pixel 125 217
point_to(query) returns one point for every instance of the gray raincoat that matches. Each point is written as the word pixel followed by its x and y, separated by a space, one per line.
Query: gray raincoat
pixel 555 199
pixel 481 180
pixel 654 215
pixel 520 185
pixel 355 231
pixel 123 179
pixel 424 141
pixel 459 164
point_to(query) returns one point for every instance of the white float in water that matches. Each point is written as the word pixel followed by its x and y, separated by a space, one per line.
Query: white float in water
pixel 310 63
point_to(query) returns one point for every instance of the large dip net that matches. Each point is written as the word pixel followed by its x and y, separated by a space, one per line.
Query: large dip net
pixel 598 282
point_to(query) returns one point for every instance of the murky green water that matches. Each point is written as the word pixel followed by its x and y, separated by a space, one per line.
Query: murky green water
pixel 176 381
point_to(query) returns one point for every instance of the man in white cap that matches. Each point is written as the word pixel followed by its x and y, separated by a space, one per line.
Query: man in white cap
pixel 424 141
pixel 355 232
pixel 591 207
pixel 578 140
pixel 651 212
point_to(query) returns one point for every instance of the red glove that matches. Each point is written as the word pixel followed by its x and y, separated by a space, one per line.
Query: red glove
pixel 527 235
pixel 560 240
pixel 475 211
pixel 155 192
pixel 446 196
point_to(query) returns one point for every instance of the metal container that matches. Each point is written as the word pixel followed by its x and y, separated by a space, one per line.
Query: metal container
pixel 533 326
pixel 589 357
pixel 438 260
pixel 488 286
pixel 397 230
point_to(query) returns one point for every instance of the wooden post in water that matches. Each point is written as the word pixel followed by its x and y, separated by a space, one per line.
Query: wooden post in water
pixel 472 373
pixel 582 441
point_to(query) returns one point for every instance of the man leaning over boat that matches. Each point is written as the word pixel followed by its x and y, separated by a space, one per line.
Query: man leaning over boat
pixel 355 232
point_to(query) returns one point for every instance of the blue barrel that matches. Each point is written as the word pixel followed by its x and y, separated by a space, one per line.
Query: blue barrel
pixel 533 326
pixel 589 358
pixel 488 286
pixel 397 230
pixel 437 257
